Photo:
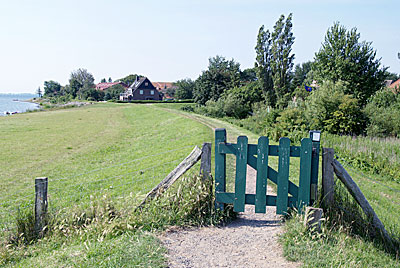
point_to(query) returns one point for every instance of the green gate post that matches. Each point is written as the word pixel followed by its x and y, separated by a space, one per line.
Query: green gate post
pixel 220 166
pixel 315 136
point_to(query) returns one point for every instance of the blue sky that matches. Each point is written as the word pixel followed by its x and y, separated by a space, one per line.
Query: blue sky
pixel 169 40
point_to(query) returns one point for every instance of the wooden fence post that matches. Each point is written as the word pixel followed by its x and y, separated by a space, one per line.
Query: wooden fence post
pixel 175 174
pixel 353 189
pixel 312 219
pixel 40 204
pixel 205 166
pixel 328 182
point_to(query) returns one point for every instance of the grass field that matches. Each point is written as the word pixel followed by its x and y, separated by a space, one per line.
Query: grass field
pixel 112 150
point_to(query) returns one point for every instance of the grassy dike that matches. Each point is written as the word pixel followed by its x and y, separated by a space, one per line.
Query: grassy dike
pixel 100 160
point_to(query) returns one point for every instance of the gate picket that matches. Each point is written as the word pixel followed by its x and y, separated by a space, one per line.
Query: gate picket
pixel 283 176
pixel 241 171
pixel 262 175
pixel 220 165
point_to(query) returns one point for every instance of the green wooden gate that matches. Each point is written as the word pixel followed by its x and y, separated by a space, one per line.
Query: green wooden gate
pixel 256 156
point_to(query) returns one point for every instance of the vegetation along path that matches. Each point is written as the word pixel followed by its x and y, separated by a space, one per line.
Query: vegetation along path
pixel 249 241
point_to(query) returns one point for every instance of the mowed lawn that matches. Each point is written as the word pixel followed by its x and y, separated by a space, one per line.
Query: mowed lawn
pixel 102 149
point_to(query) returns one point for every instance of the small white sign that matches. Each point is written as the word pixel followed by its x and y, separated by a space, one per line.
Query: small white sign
pixel 316 136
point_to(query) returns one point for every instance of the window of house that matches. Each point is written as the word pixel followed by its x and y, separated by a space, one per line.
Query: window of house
pixel 141 92
pixel 146 84
pixel 152 92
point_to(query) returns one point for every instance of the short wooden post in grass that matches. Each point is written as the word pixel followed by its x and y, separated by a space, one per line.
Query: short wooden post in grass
pixel 40 204
pixel 312 219
pixel 205 166
pixel 328 182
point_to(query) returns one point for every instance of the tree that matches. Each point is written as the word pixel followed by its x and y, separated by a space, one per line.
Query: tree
pixel 184 89
pixel 171 92
pixel 221 75
pixel 103 80
pixel 81 85
pixel 239 100
pixel 262 65
pixel 248 75
pixel 112 93
pixel 391 76
pixel 51 88
pixel 274 61
pixel 128 80
pixel 39 92
pixel 109 80
pixel 282 58
pixel 343 57
pixel 300 74
pixel 82 76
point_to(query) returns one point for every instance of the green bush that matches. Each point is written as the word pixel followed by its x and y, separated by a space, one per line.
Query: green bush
pixel 290 123
pixel 329 108
pixel 383 111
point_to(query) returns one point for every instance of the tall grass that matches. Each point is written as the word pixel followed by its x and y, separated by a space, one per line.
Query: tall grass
pixel 374 155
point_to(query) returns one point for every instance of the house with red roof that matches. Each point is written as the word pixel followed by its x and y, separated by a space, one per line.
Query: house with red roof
pixel 395 85
pixel 163 88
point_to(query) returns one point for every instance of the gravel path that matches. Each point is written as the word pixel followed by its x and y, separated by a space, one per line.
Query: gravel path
pixel 249 241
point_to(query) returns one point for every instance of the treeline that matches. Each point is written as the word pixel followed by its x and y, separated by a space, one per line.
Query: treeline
pixel 81 86
pixel 341 91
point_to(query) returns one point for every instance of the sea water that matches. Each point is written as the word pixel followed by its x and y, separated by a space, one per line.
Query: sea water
pixel 16 103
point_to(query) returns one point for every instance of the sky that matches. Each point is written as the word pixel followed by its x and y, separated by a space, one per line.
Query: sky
pixel 166 40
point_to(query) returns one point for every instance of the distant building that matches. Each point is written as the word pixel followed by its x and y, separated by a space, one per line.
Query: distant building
pixel 104 86
pixel 163 88
pixel 395 85
pixel 141 89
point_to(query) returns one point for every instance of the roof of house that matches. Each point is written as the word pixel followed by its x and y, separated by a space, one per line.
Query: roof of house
pixel 163 85
pixel 104 86
pixel 395 84
pixel 137 83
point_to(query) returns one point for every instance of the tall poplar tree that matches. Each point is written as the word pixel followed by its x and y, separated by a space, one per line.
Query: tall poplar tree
pixel 274 61
pixel 282 58
pixel 263 65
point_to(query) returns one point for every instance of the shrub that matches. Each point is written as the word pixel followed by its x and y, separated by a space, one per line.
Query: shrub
pixel 330 109
pixel 383 111
pixel 290 123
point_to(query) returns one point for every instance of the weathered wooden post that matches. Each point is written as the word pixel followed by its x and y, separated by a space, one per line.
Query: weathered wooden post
pixel 353 189
pixel 315 136
pixel 205 166
pixel 220 165
pixel 312 219
pixel 328 182
pixel 40 204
